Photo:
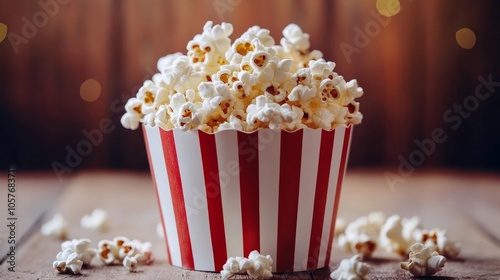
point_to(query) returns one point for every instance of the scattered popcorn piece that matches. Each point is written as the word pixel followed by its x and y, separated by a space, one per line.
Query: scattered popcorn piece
pixel 81 247
pixel 75 253
pixel 262 266
pixel 130 263
pixel 98 220
pixel 159 230
pixel 351 269
pixel 395 235
pixel 423 261
pixel 391 236
pixel 256 265
pixel 68 261
pixel 56 228
pixel 361 235
pixel 231 267
pixel 410 227
pixel 113 252
pixel 438 239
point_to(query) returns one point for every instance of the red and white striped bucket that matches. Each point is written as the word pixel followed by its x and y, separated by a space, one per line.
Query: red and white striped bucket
pixel 225 194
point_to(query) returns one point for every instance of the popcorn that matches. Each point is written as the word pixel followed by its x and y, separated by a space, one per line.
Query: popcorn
pixel 395 235
pixel 256 265
pixel 351 269
pixel 361 235
pixel 245 85
pixel 67 262
pixel 262 265
pixel 98 220
pixel 423 261
pixel 438 240
pixel 391 236
pixel 80 247
pixel 130 263
pixel 295 39
pixel 57 227
pixel 398 234
pixel 231 267
pixel 133 114
pixel 75 253
pixel 112 252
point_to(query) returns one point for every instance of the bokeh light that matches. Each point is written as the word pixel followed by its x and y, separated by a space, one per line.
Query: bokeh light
pixel 3 31
pixel 90 90
pixel 388 8
pixel 466 38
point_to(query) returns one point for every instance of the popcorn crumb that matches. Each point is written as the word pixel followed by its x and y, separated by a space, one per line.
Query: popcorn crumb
pixel 351 269
pixel 56 227
pixel 423 261
pixel 98 220
pixel 256 266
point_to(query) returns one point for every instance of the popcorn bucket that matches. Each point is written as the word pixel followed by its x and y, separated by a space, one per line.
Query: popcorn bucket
pixel 225 194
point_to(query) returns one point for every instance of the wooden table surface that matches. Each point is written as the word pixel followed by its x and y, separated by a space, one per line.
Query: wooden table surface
pixel 466 204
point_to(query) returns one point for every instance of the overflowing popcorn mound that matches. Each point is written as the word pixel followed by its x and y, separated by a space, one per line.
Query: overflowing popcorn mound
pixel 249 84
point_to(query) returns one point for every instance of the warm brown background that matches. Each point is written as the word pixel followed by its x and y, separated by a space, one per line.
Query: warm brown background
pixel 412 71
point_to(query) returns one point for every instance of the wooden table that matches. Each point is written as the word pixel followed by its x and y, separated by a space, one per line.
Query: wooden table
pixel 466 204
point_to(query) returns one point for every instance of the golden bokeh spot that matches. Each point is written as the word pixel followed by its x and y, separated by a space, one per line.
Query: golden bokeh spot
pixel 90 90
pixel 388 8
pixel 3 31
pixel 466 38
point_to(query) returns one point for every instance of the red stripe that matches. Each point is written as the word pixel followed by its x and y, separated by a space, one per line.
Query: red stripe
pixel 214 200
pixel 174 177
pixel 288 198
pixel 156 189
pixel 325 161
pixel 248 158
pixel 343 164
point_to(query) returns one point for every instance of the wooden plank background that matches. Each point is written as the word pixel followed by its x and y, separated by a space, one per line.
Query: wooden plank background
pixel 412 71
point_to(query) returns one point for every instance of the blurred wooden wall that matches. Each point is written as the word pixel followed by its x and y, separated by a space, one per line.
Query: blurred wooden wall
pixel 411 68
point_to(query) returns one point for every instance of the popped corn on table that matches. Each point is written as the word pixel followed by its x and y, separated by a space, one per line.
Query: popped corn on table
pixel 465 204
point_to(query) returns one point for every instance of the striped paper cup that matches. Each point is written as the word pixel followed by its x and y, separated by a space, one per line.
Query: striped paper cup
pixel 225 194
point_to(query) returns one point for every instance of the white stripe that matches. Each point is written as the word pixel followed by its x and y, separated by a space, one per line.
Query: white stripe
pixel 229 177
pixel 193 185
pixel 164 195
pixel 348 148
pixel 308 175
pixel 338 143
pixel 269 171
